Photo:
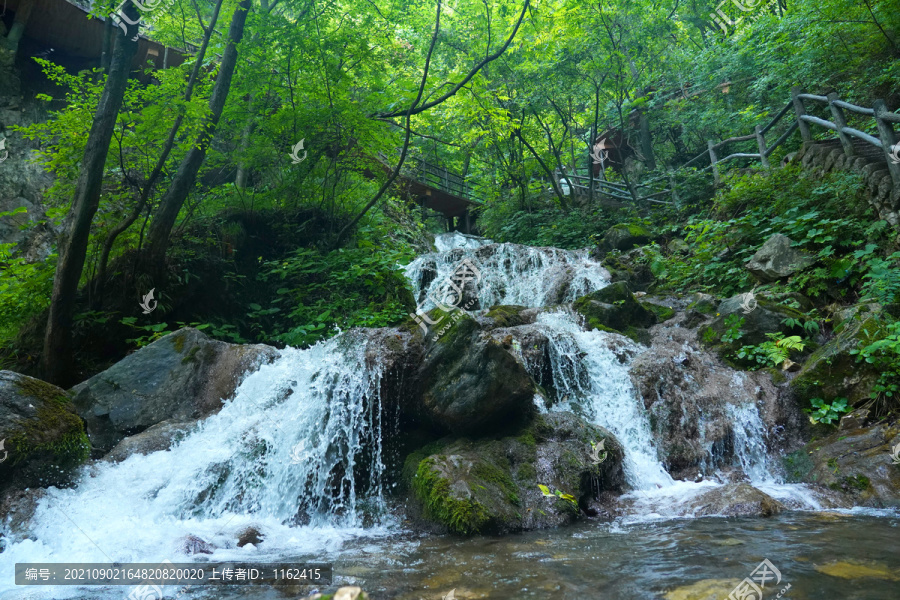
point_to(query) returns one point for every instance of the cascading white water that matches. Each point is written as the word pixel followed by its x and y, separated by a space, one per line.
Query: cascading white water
pixel 288 450
pixel 595 382
pixel 289 453
pixel 509 273
pixel 749 436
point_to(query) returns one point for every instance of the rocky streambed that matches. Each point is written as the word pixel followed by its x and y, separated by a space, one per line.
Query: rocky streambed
pixel 561 403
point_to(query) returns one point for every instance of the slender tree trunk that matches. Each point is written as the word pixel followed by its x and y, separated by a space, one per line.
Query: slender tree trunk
pixel 56 361
pixel 160 164
pixel 23 14
pixel 186 176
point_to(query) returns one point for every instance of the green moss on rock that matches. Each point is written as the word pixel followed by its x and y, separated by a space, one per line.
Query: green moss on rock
pixel 506 315
pixel 463 516
pixel 663 313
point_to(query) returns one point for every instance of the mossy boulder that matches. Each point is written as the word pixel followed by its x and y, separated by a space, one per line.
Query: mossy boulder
pixel 614 308
pixel 832 371
pixel 491 485
pixel 632 267
pixel 758 316
pixel 855 462
pixel 625 236
pixel 184 375
pixel 508 316
pixel 471 384
pixel 662 313
pixel 43 438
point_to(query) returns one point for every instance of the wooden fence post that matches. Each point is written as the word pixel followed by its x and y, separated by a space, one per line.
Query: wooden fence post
pixel 888 140
pixel 800 111
pixel 838 114
pixel 761 143
pixel 712 160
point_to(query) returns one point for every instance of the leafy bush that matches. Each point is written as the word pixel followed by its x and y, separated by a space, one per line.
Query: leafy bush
pixel 320 292
pixel 827 413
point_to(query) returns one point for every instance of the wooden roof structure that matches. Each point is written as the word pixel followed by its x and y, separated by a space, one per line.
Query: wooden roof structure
pixel 71 28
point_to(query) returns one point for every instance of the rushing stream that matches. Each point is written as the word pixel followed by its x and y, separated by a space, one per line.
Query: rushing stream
pixel 269 460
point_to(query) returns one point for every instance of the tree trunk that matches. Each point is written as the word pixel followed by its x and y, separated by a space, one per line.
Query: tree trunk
pixel 186 176
pixel 56 361
pixel 157 170
pixel 23 13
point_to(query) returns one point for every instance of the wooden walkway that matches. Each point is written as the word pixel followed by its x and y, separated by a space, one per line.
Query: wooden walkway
pixel 437 188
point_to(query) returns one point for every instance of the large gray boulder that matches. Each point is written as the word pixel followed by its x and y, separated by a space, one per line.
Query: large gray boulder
pixel 185 375
pixel 491 485
pixel 760 316
pixel 42 440
pixel 624 237
pixel 695 402
pixel 471 384
pixel 735 500
pixel 777 259
pixel 856 462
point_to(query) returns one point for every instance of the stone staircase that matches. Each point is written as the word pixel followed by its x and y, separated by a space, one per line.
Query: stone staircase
pixel 827 155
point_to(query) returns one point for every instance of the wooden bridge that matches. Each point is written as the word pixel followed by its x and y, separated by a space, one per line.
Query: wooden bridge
pixel 439 189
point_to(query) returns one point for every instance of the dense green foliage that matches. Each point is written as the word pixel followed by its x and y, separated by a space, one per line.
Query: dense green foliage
pixel 344 78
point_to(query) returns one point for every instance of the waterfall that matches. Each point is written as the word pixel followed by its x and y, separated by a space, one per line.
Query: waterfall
pixel 509 273
pixel 596 384
pixel 299 451
pixel 287 455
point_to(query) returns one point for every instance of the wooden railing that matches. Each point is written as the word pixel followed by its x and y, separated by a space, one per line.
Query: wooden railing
pixel 879 112
pixel 440 178
pixel 581 187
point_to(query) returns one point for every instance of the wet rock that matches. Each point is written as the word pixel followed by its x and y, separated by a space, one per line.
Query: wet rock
pixel 17 507
pixel 777 259
pixel 760 316
pixel 614 308
pixel 705 589
pixel 491 485
pixel 42 440
pixel 694 400
pixel 735 500
pixel 161 436
pixel 624 237
pixel 858 570
pixel 191 544
pixel 510 316
pixel 832 371
pixel 631 267
pixel 856 463
pixel 250 535
pixel 182 376
pixel 471 384
pixel 350 593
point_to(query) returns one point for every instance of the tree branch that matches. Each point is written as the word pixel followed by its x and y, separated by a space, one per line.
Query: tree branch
pixel 468 77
